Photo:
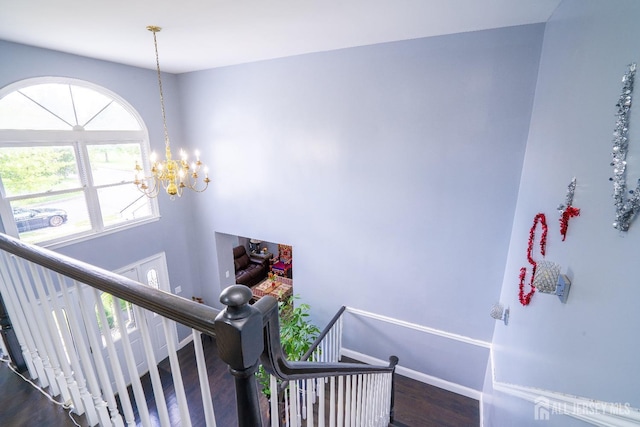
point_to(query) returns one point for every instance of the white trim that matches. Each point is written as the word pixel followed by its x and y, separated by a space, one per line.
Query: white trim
pixel 45 138
pixel 185 341
pixel 426 329
pixel 415 375
pixel 419 376
pixel 481 409
pixel 554 403
pixel 596 412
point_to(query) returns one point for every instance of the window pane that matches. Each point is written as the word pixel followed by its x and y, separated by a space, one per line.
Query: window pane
pixel 88 103
pixel 126 310
pixel 152 278
pixel 113 163
pixel 29 170
pixel 122 203
pixel 54 98
pixel 41 219
pixel 114 117
pixel 18 112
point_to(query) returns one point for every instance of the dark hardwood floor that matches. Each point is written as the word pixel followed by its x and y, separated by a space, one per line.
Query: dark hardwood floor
pixel 21 405
pixel 416 404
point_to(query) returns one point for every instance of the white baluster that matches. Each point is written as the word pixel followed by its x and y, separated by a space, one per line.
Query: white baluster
pixel 82 367
pixel 321 386
pixel 354 401
pixel 309 398
pixel 339 336
pixel 57 354
pixel 88 308
pixel 287 398
pixel 72 371
pixel 386 396
pixel 207 403
pixel 358 401
pixel 130 360
pixel 362 400
pixel 116 369
pixel 273 402
pixel 384 408
pixel 36 326
pixel 334 355
pixel 169 333
pixel 18 320
pixel 370 399
pixel 332 402
pixel 293 403
pixel 347 401
pixel 156 383
pixel 302 386
pixel 335 351
pixel 378 408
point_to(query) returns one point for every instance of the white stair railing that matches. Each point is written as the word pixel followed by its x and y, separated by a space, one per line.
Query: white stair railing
pixel 335 400
pixel 73 353
pixel 343 401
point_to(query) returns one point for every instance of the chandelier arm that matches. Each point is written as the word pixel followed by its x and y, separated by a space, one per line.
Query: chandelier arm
pixel 149 191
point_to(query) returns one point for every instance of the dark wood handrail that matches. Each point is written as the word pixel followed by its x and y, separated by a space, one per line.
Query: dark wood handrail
pixel 275 362
pixel 189 313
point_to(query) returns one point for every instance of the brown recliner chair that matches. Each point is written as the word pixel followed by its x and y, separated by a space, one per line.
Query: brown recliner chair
pixel 249 272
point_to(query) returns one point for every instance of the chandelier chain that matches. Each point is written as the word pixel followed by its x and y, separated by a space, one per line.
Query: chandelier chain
pixel 154 30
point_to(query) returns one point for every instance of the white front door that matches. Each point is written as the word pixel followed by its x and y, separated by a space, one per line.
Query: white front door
pixel 151 272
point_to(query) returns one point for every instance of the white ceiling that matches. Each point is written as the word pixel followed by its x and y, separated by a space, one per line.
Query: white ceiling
pixel 201 34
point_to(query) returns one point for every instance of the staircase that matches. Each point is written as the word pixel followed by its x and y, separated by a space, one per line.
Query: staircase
pixel 69 349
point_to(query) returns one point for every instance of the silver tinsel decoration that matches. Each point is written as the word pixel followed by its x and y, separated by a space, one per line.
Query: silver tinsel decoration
pixel 568 201
pixel 626 207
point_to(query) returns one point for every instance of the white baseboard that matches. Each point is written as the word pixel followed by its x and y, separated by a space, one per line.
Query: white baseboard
pixel 548 403
pixel 185 341
pixel 418 376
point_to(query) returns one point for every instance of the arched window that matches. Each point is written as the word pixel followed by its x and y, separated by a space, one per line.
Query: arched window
pixel 67 153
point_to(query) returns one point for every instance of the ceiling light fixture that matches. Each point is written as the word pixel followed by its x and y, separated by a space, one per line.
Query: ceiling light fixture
pixel 172 175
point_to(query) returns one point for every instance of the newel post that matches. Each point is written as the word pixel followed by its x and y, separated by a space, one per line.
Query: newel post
pixel 239 335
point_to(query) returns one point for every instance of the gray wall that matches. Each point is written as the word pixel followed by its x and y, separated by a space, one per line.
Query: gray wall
pixel 588 347
pixel 391 169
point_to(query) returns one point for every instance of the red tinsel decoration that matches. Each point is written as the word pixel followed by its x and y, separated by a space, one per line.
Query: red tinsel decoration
pixel 525 299
pixel 568 213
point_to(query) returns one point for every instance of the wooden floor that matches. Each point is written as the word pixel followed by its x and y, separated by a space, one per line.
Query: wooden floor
pixel 416 404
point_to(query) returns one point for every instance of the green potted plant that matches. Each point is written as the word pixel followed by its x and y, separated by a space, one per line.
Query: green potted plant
pixel 297 334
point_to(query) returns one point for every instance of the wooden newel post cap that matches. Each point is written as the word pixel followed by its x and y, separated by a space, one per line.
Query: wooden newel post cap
pixel 235 296
pixel 239 329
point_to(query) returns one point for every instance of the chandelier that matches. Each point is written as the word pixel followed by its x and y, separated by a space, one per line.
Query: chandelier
pixel 171 175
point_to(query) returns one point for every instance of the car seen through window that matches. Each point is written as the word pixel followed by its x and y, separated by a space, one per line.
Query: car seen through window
pixel 32 219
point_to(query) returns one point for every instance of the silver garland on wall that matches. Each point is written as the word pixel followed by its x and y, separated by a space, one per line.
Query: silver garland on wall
pixel 626 207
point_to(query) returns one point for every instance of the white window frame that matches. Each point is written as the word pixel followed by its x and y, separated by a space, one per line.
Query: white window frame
pixel 79 140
